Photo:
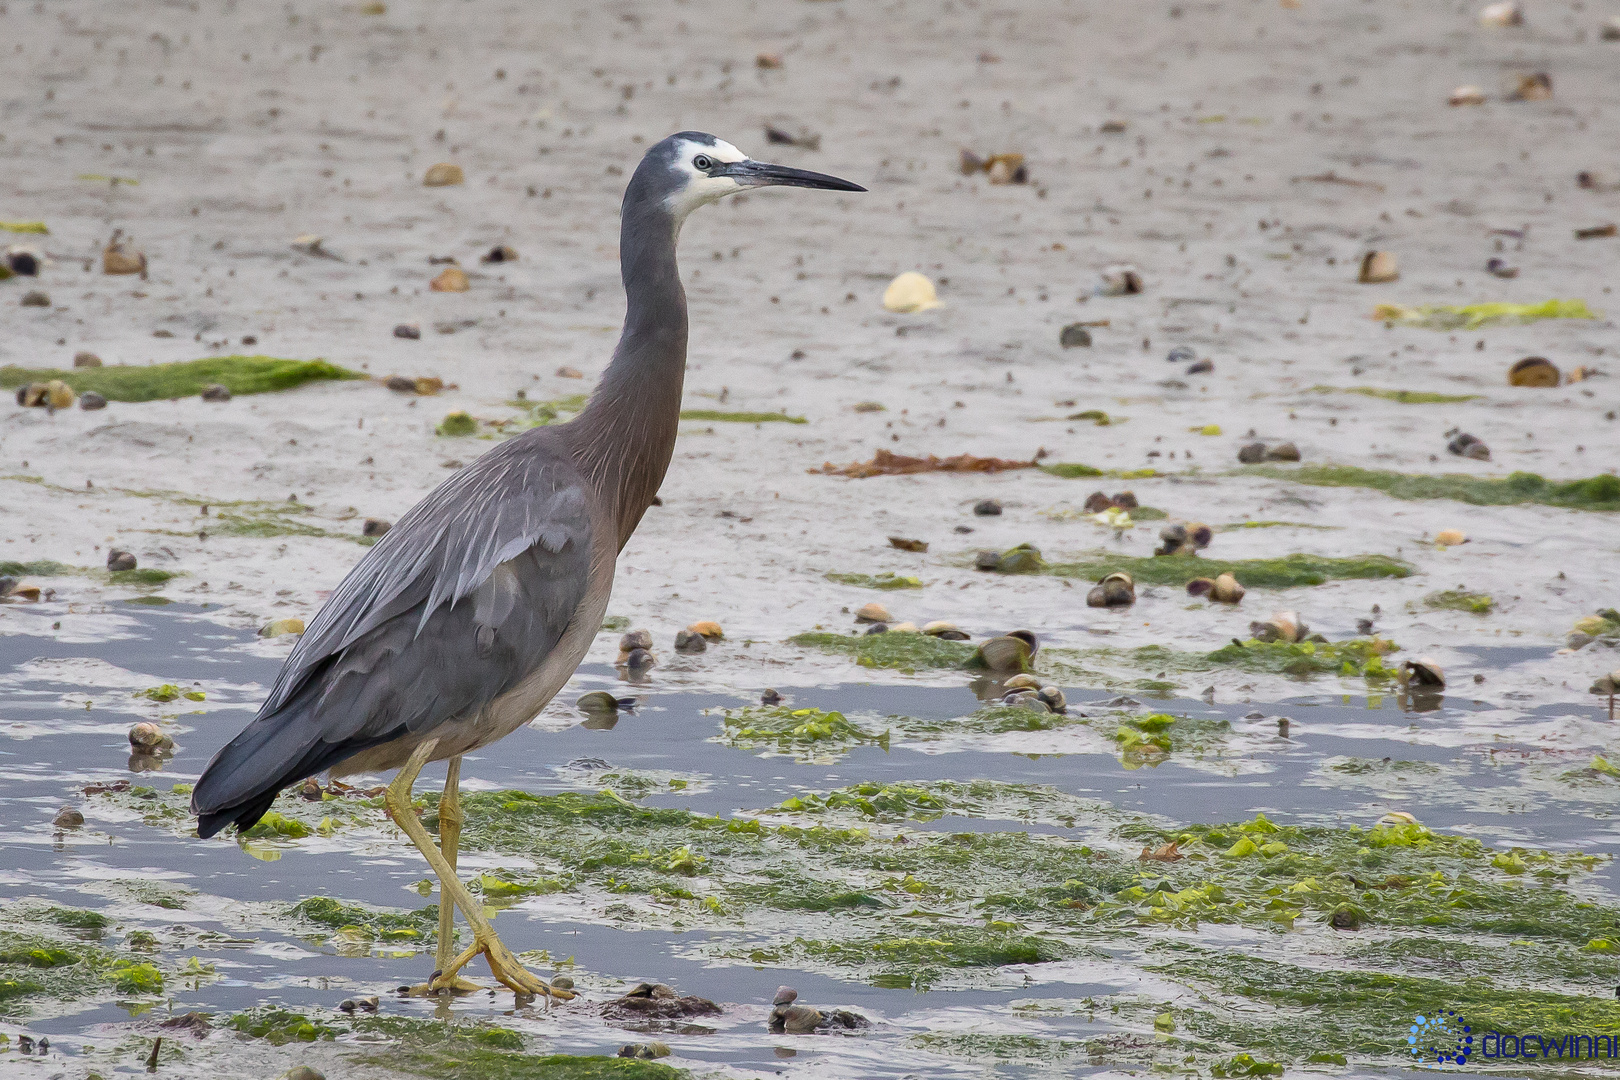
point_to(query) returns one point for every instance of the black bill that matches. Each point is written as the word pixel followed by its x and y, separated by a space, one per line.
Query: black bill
pixel 751 173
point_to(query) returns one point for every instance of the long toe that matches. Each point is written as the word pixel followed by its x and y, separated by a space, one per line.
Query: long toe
pixel 516 977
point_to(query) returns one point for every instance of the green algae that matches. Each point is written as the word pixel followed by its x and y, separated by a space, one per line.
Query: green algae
pixel 265 520
pixel 1597 493
pixel 1070 470
pixel 1473 316
pixel 1148 740
pixel 169 692
pixel 354 921
pixel 920 960
pixel 36 568
pixel 1405 397
pixel 1286 572
pixel 135 977
pixel 456 424
pixel 884 580
pixel 278 1026
pixel 153 382
pixel 715 416
pixel 809 734
pixel 903 652
pixel 1459 600
pixel 1362 657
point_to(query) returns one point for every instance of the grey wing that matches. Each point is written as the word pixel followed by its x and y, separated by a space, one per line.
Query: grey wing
pixel 453 607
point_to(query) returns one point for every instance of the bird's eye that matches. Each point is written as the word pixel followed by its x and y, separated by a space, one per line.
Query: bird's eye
pixel 703 161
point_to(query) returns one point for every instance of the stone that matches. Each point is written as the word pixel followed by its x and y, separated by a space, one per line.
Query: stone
pixel 86 359
pixel 68 818
pixel 1283 452
pixel 36 298
pixel 688 642
pixel 444 174
pixel 375 527
pixel 500 253
pixel 216 392
pixel 987 508
pixel 118 560
pixel 1075 336
pixel 1252 453
pixel 408 331
pixel 90 401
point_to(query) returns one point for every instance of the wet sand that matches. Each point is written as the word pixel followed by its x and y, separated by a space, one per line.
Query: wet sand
pixel 247 127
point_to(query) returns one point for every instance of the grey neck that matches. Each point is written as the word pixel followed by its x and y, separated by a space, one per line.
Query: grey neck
pixel 625 437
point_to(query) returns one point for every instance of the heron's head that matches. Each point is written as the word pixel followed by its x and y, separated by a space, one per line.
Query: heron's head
pixel 691 169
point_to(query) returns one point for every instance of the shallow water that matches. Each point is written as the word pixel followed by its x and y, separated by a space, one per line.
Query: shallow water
pixel 52 745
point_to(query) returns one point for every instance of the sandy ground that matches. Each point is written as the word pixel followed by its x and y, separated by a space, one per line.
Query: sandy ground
pixel 247 125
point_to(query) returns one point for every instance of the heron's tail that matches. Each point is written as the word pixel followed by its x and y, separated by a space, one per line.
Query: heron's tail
pixel 272 753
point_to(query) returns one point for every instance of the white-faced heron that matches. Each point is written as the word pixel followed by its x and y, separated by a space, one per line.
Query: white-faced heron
pixel 469 615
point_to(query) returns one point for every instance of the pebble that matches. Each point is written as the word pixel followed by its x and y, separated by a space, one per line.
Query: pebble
pixel 636 639
pixel 1534 87
pixel 451 279
pixel 118 560
pixel 987 508
pixel 688 642
pixel 36 298
pixel 68 818
pixel 910 292
pixel 873 613
pixel 147 738
pixel 1501 269
pixel 1075 336
pixel 563 982
pixel 1611 29
pixel 637 659
pixel 375 527
pixel 401 384
pixel 90 401
pixel 86 359
pixel 566 372
pixel 1252 453
pixel 1201 367
pixel 877 628
pixel 408 331
pixel 1378 267
pixel 1181 354
pixel 443 174
pixel 216 392
pixel 278 627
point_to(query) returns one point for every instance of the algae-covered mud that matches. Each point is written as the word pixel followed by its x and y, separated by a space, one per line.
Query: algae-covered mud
pixel 1133 883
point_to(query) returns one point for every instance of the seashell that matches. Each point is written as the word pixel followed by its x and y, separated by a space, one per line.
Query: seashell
pixel 27 593
pixel 375 527
pixel 54 395
pixel 1075 336
pixel 24 261
pixel 500 253
pixel 1023 559
pixel 947 630
pixel 1423 671
pixel 117 259
pixel 1022 681
pixel 910 292
pixel 970 163
pixel 147 738
pixel 688 642
pixel 1120 281
pixel 643 1051
pixel 1534 87
pixel 877 628
pixel 1252 453
pixel 278 627
pixel 1466 445
pixel 216 392
pixel 68 818
pixel 1053 698
pixel 90 401
pixel 768 60
pixel 1501 269
pixel 708 628
pixel 450 279
pixel 1378 267
pixel 1283 452
pixel 1007 169
pixel 1126 500
pixel 636 639
pixel 38 298
pixel 1025 699
pixel 1466 95
pixel 637 659
pixel 1397 817
pixel 408 331
pixel 1611 29
pixel 426 385
pixel 1607 684
pixel 1282 626
pixel 1005 653
pixel 118 560
pixel 1181 354
pixel 597 701
pixel 86 359
pixel 770 697
pixel 1201 367
pixel 1200 586
pixel 443 174
pixel 904 543
pixel 800 1019
pixel 987 560
pixel 1505 13
pixel 1228 590
pixel 1533 371
pixel 1450 537
pixel 873 613
pixel 1097 502
pixel 987 508
pixel 785 995
pixel 904 628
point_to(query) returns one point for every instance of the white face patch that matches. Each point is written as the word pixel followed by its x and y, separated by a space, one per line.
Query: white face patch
pixel 701 189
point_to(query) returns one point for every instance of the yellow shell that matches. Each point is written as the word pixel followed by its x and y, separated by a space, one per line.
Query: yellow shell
pixel 904 628
pixel 1378 267
pixel 451 279
pixel 58 394
pixel 873 613
pixel 443 175
pixel 910 292
pixel 707 628
pixel 1227 589
pixel 1467 95
pixel 1450 537
pixel 278 627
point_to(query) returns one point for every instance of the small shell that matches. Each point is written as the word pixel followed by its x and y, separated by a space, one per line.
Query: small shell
pixel 278 627
pixel 637 658
pixel 1252 453
pixel 1466 95
pixel 1228 590
pixel 597 701
pixel 1283 452
pixel 1126 500
pixel 1505 13
pixel 120 560
pixel 1074 336
pixel 68 818
pixel 688 642
pixel 785 995
pixel 1534 87
pixel 636 639
pixel 770 696
pixel 970 163
pixel 947 630
pixel 58 395
pixel 1423 671
pixel 1114 590
pixel 1120 281
pixel 1469 446
pixel 1025 699
pixel 800 1019
pixel 147 738
pixel 1022 682
pixel 1003 653
pixel 86 359
pixel 873 613
pixel 443 174
pixel 1200 586
pixel 987 508
pixel 1533 371
pixel 906 543
pixel 1097 502
pixel 1053 698
pixel 451 279
pixel 1397 817
pixel 1007 169
pixel 116 259
pixel 904 628
pixel 910 292
pixel 90 401
pixel 1450 537
pixel 708 628
pixel 1607 684
pixel 1378 267
pixel 877 628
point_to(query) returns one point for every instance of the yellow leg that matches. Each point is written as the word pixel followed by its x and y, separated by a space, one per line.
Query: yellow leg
pixel 502 963
pixel 450 819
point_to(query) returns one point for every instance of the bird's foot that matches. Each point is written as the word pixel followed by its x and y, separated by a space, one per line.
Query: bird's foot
pixel 504 966
pixel 439 983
